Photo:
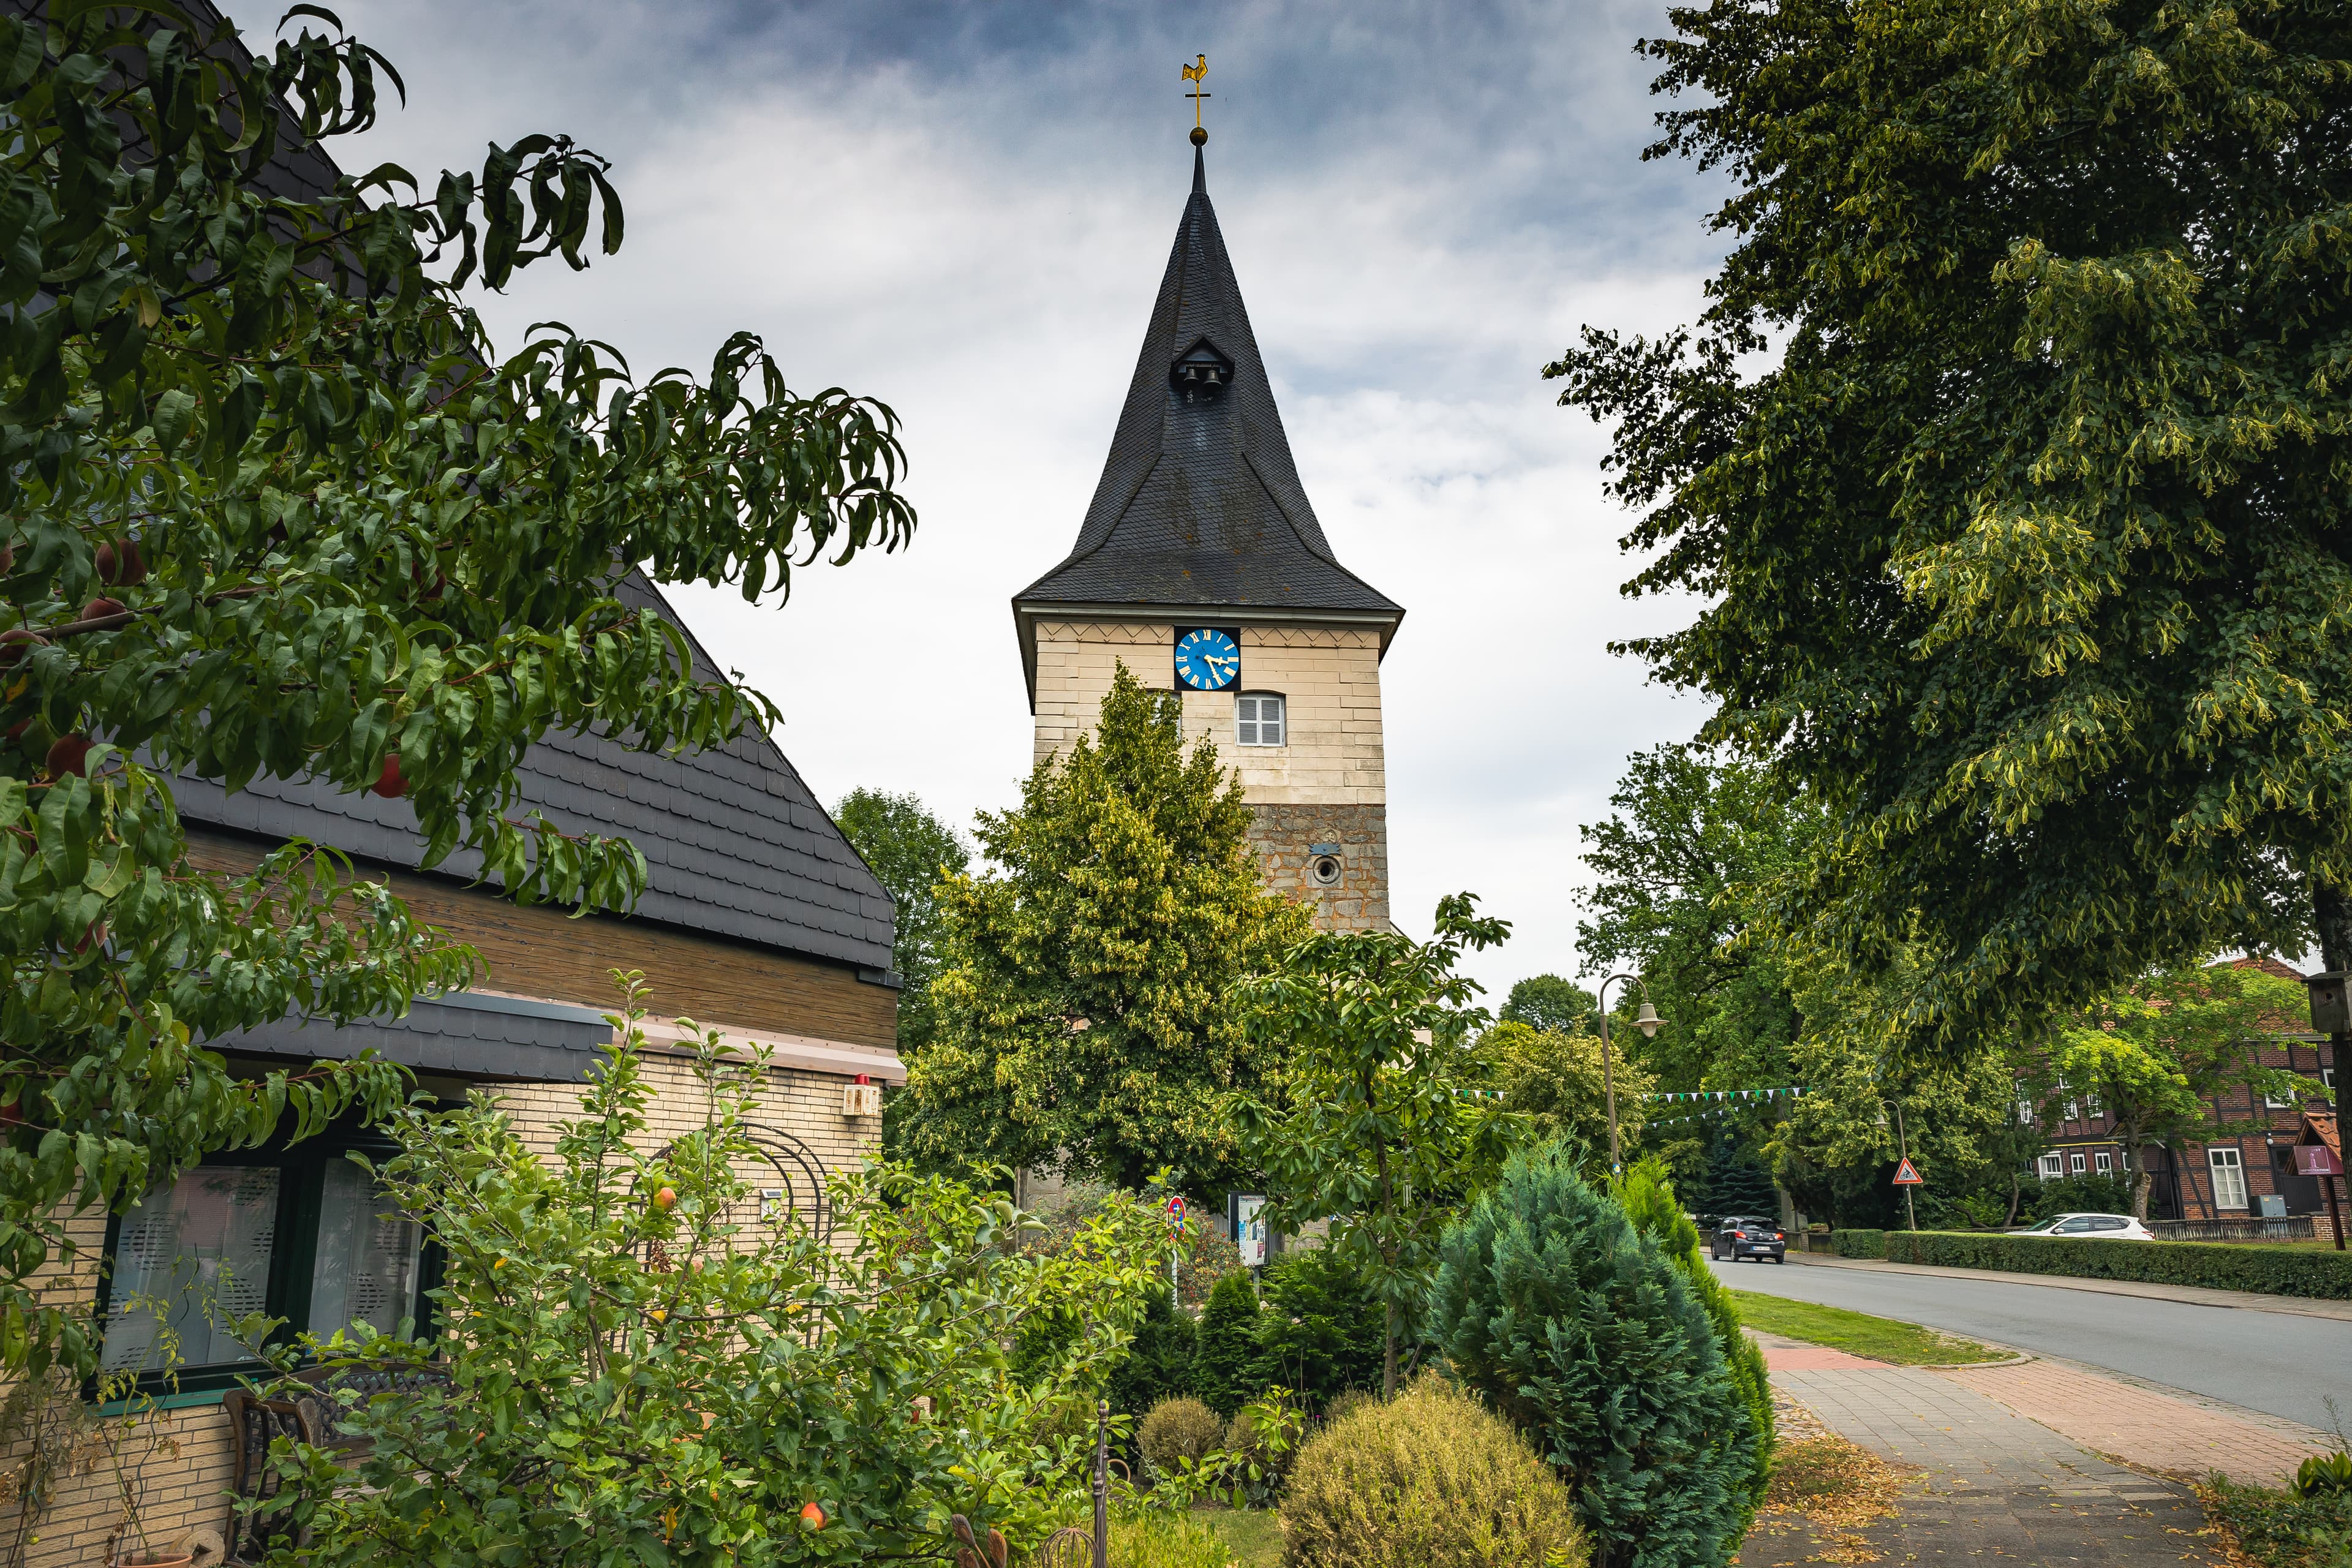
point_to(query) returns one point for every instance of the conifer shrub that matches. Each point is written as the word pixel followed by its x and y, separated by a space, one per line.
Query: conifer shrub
pixel 1179 1429
pixel 1321 1331
pixel 1554 1309
pixel 1428 1479
pixel 1158 1361
pixel 1224 1363
pixel 1647 1196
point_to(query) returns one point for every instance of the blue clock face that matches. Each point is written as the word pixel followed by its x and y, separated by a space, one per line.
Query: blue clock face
pixel 1207 659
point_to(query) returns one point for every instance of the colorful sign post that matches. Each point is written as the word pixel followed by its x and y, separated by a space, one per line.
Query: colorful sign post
pixel 1249 1229
pixel 1175 1229
pixel 1907 1174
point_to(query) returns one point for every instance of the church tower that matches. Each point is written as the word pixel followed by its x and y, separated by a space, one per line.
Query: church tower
pixel 1202 566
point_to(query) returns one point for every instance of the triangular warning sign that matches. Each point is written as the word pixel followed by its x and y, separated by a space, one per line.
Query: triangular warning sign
pixel 1905 1176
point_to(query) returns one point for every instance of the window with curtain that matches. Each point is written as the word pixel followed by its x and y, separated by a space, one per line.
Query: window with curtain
pixel 299 1233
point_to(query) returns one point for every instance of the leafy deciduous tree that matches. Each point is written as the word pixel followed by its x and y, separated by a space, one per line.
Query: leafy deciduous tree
pixel 1550 1002
pixel 1374 1130
pixel 1684 872
pixel 910 851
pixel 2024 551
pixel 1555 1080
pixel 1087 1005
pixel 274 505
pixel 2161 1056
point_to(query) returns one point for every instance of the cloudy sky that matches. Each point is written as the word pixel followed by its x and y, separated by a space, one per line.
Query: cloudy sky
pixel 964 210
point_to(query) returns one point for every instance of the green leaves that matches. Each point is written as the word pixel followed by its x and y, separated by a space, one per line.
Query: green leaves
pixel 1370 1126
pixel 1087 1001
pixel 671 1384
pixel 273 507
pixel 2023 544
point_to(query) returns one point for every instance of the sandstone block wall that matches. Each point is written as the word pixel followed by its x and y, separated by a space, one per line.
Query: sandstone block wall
pixel 1327 784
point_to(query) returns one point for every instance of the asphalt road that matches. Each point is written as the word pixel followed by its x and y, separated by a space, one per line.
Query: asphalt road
pixel 2275 1362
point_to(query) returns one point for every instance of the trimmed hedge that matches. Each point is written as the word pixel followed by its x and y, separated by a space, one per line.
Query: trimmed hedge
pixel 1861 1243
pixel 2218 1266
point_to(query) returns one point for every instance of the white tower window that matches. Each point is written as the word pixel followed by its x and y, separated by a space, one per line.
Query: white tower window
pixel 1258 719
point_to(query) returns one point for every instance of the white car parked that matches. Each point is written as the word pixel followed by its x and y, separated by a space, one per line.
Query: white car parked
pixel 2091 1228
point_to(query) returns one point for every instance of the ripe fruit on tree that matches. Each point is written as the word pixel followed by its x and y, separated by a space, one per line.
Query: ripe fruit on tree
pixel 390 784
pixel 101 607
pixel 121 563
pixel 666 1199
pixel 69 754
pixel 813 1515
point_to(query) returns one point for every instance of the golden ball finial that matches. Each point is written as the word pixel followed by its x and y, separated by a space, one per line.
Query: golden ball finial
pixel 1200 137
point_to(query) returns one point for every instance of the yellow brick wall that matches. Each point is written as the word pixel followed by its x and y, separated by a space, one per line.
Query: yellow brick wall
pixel 183 1466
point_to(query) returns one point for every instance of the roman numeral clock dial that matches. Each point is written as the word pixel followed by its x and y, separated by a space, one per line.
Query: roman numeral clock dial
pixel 1207 659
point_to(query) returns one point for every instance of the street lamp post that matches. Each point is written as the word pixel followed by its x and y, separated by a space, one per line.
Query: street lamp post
pixel 1647 1021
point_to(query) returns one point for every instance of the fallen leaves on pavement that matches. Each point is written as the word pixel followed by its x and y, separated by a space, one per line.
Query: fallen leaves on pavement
pixel 1822 1483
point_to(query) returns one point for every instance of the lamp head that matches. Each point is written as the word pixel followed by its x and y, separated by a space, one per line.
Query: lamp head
pixel 1647 1021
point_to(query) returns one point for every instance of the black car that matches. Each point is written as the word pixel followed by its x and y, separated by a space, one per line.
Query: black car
pixel 1739 1237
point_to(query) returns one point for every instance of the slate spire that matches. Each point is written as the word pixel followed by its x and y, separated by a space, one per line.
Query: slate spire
pixel 1200 507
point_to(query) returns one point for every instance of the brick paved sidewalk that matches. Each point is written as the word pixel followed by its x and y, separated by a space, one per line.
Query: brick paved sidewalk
pixel 1989 1482
pixel 2174 1433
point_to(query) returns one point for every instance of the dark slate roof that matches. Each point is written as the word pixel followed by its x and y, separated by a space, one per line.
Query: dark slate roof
pixel 735 844
pixel 1199 504
pixel 463 1032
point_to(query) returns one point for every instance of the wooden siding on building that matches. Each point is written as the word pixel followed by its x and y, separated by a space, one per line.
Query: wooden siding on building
pixel 539 951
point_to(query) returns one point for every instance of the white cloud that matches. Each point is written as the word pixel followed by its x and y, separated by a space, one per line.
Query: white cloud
pixel 965 211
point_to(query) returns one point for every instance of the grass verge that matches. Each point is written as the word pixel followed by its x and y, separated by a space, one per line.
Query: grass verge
pixel 1253 1535
pixel 1857 1333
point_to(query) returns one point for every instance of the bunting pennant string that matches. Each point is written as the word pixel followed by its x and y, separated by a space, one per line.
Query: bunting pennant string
pixel 1792 1092
pixel 1725 1100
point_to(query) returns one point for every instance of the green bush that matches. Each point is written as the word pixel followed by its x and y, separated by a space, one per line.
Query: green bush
pixel 1158 1361
pixel 1428 1479
pixel 2220 1265
pixel 2278 1529
pixel 1345 1403
pixel 1321 1332
pixel 1573 1325
pixel 2324 1473
pixel 1648 1196
pixel 1179 1429
pixel 1224 1363
pixel 1860 1243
